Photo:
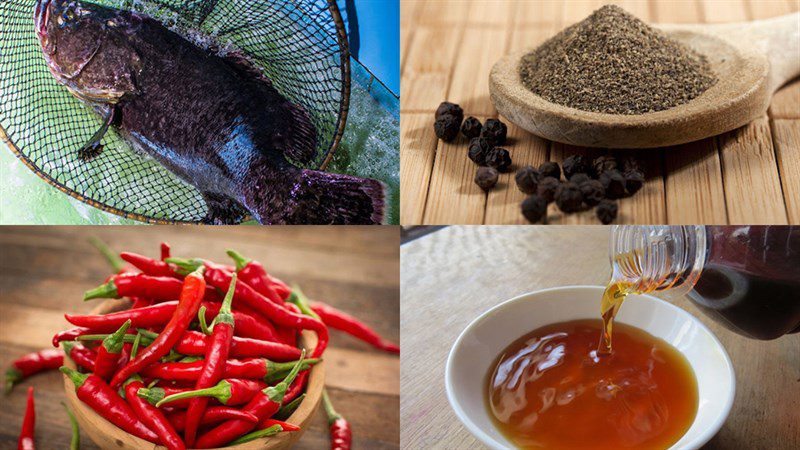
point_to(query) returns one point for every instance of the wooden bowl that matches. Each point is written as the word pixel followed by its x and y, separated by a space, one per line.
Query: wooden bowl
pixel 108 436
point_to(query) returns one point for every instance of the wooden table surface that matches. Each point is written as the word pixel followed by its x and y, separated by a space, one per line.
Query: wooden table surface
pixel 44 271
pixel 452 276
pixel 750 175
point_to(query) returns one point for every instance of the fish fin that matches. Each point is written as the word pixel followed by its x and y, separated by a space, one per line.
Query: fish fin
pixel 237 61
pixel 302 145
pixel 222 210
pixel 318 198
pixel 93 148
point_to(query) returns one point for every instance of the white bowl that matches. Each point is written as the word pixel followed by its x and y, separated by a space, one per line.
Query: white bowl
pixel 480 343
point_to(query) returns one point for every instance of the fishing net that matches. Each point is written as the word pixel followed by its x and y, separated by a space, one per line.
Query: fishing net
pixel 299 45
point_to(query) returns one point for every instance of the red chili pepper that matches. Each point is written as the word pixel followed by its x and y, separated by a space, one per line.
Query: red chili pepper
pixel 194 343
pixel 287 335
pixel 212 414
pixel 26 436
pixel 250 368
pixel 31 364
pixel 342 321
pixel 341 436
pixel 217 351
pixel 81 355
pixel 165 251
pixel 158 315
pixel 264 405
pixel 149 266
pixel 194 287
pixel 281 317
pixel 70 335
pixel 140 302
pixel 230 391
pixel 267 428
pixel 157 289
pixel 153 417
pixel 108 353
pixel 93 391
pixel 254 274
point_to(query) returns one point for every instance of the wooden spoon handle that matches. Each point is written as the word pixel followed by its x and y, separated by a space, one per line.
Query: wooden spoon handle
pixel 778 39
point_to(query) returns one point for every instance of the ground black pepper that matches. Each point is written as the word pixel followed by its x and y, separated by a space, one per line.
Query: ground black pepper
pixel 499 158
pixel 495 130
pixel 550 169
pixel 478 149
pixel 613 183
pixel 471 128
pixel 486 177
pixel 612 62
pixel 534 208
pixel 527 179
pixel 547 188
pixel 606 211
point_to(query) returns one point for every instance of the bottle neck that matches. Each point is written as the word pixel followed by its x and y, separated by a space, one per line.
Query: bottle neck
pixel 657 258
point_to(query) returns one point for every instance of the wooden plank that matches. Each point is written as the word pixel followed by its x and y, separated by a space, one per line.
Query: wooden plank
pixel 764 9
pixel 540 12
pixel 453 196
pixel 750 175
pixel 442 12
pixel 426 76
pixel 405 43
pixel 417 152
pixel 479 49
pixel 503 202
pixel 679 11
pixel 794 5
pixel 694 192
pixel 490 12
pixel 786 136
pixel 577 10
pixel 786 102
pixel 408 11
pixel 718 11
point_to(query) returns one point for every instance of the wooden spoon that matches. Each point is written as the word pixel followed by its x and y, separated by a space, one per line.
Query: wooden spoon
pixel 751 61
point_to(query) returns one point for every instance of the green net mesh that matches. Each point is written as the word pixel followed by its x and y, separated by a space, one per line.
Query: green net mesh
pixel 295 43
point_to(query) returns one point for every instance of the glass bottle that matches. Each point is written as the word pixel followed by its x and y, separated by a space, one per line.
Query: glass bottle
pixel 745 277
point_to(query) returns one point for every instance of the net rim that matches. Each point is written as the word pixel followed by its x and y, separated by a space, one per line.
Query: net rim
pixel 344 108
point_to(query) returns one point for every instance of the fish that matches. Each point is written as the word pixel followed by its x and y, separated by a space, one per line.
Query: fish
pixel 209 119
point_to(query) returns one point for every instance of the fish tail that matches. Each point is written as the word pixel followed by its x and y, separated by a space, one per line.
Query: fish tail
pixel 318 198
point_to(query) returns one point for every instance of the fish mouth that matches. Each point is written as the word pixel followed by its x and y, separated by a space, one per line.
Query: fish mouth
pixel 41 16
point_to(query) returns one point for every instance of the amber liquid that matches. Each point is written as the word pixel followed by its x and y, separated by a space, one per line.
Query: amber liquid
pixel 551 389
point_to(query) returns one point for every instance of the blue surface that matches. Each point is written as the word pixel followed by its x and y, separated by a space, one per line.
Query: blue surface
pixel 379 30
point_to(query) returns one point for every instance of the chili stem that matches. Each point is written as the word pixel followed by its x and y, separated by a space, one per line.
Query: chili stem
pixel 135 346
pixel 266 432
pixel 75 440
pixel 116 262
pixel 201 317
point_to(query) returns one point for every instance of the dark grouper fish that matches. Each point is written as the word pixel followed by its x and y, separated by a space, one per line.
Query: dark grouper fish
pixel 208 119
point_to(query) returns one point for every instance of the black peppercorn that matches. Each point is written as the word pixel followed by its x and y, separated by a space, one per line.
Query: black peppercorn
pixel 446 127
pixel 527 179
pixel 478 149
pixel 550 169
pixel 495 131
pixel 630 163
pixel 499 158
pixel 450 109
pixel 534 208
pixel 471 128
pixel 613 183
pixel 603 163
pixel 607 211
pixel 569 198
pixel 486 177
pixel 593 192
pixel 579 178
pixel 634 180
pixel 574 164
pixel 547 188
